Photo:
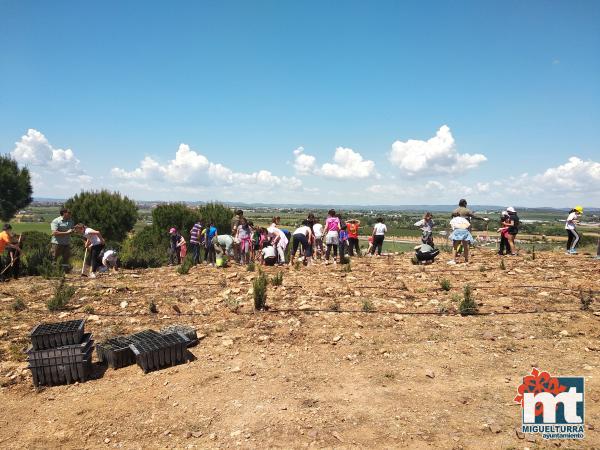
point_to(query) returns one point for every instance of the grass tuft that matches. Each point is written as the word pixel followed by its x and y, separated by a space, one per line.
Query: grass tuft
pixel 259 291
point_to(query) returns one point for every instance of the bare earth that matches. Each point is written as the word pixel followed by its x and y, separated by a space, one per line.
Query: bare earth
pixel 411 374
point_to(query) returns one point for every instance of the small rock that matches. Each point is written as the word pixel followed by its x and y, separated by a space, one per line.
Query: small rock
pixel 93 317
pixel 212 436
pixel 429 373
pixel 357 336
pixel 495 428
pixel 124 304
pixel 235 433
pixel 167 432
pixel 196 434
pixel 236 369
pixel 337 338
pixel 232 275
pixel 227 343
pixel 519 433
pixel 107 441
pixel 564 333
pixel 398 317
pixel 488 336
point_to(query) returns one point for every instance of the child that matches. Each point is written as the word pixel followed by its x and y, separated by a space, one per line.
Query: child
pixel 379 231
pixel 244 236
pixel 370 240
pixel 460 236
pixel 318 237
pixel 571 227
pixel 425 253
pixel 513 229
pixel 332 236
pixel 268 256
pixel 95 244
pixel 343 241
pixel 279 240
pixel 110 260
pixel 302 235
pixel 426 225
pixel 504 247
pixel 352 227
pixel 210 234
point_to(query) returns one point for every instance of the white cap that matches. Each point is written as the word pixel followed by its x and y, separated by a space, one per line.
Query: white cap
pixel 510 209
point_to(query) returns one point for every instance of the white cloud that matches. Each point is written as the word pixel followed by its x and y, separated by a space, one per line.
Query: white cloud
pixel 347 164
pixel 436 155
pixel 34 150
pixel 192 168
pixel 576 175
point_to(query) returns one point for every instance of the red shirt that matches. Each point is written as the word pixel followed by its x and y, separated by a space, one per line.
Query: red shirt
pixel 352 230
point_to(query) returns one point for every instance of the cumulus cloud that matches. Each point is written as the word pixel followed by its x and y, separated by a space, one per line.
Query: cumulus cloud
pixel 34 150
pixel 436 155
pixel 192 168
pixel 576 175
pixel 347 164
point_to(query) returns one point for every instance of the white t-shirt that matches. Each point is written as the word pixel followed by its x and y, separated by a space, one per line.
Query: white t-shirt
pixel 89 233
pixel 318 230
pixel 276 232
pixel 109 256
pixel 302 230
pixel 380 229
pixel 570 225
pixel 459 222
pixel 268 252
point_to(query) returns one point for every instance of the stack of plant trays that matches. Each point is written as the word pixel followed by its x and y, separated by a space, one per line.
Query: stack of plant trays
pixel 61 353
pixel 154 351
pixel 116 352
pixel 186 330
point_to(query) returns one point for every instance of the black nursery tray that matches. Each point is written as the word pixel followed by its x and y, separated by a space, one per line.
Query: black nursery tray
pixel 52 335
pixel 161 350
pixel 186 330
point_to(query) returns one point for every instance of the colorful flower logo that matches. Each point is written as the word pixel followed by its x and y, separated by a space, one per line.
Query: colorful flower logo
pixel 536 383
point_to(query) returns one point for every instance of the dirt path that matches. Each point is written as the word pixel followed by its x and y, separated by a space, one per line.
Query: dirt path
pixel 403 376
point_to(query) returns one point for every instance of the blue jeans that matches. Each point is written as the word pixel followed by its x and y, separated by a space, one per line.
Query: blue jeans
pixel 195 252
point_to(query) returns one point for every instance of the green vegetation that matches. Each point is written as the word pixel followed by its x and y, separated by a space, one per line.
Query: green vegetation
pixel 277 279
pixel 16 188
pixel 18 305
pixel 467 305
pixel 502 265
pixel 218 214
pixel 62 296
pixel 177 215
pixel 259 290
pixel 367 306
pixel 251 267
pixel 445 284
pixel 148 248
pixel 185 266
pixel 110 213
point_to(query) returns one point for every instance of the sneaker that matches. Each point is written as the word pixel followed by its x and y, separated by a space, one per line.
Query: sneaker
pixel 92 275
pixel 568 252
pixel 573 252
pixel 451 262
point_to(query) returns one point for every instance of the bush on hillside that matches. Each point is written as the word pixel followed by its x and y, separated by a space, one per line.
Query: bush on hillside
pixel 148 248
pixel 219 214
pixel 177 215
pixel 110 213
pixel 16 188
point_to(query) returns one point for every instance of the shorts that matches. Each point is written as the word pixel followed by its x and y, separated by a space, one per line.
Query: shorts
pixel 332 238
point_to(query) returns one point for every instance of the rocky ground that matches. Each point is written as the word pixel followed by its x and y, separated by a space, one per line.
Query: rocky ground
pixel 372 357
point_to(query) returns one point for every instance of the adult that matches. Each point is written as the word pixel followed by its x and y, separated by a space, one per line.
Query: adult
pixel 13 254
pixel 352 226
pixel 210 232
pixel 176 240
pixel 379 230
pixel 504 246
pixel 426 224
pixel 463 211
pixel 302 235
pixel 235 223
pixel 195 238
pixel 226 242
pixel 512 224
pixel 279 240
pixel 571 227
pixel 94 243
pixel 62 228
pixel 460 236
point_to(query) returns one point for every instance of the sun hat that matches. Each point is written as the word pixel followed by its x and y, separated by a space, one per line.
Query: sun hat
pixel 510 209
pixel 579 209
pixel 173 230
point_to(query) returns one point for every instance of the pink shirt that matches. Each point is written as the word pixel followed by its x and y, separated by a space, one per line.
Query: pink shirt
pixel 332 224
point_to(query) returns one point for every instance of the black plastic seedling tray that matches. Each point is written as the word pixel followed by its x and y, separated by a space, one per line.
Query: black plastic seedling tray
pixel 156 352
pixel 61 365
pixel 116 352
pixel 189 332
pixel 52 335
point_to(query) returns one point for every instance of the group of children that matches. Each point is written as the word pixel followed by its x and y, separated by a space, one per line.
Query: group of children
pixel 246 243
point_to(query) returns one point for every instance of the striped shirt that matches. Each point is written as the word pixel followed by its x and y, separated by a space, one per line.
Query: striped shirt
pixel 195 233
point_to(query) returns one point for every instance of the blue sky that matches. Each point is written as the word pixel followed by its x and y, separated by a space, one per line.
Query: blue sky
pixel 217 97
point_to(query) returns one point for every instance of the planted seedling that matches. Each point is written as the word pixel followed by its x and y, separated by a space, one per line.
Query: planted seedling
pixel 467 306
pixel 251 267
pixel 61 297
pixel 445 284
pixel 367 306
pixel 18 305
pixel 259 291
pixel 277 279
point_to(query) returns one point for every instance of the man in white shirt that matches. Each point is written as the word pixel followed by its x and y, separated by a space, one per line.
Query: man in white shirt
pixel 379 231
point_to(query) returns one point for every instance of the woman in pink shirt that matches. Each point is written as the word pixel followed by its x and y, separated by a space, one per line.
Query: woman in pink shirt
pixel 332 236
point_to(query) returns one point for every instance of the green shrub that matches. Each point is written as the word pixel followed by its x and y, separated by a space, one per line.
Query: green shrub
pixel 219 214
pixel 16 187
pixel 467 306
pixel 367 306
pixel 49 269
pixel 18 305
pixel 259 290
pixel 347 267
pixel 148 248
pixel 251 267
pixel 62 296
pixel 445 284
pixel 177 215
pixel 152 307
pixel 110 213
pixel 88 309
pixel 277 279
pixel 185 266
